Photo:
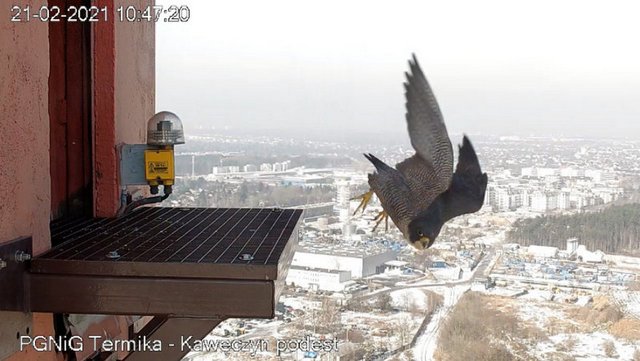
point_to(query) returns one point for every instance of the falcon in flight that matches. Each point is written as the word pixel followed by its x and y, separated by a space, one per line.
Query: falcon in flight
pixel 423 192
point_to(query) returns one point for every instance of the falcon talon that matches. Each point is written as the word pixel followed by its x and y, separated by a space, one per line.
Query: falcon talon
pixel 381 216
pixel 366 197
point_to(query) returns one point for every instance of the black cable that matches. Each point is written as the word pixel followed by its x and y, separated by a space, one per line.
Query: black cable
pixel 149 200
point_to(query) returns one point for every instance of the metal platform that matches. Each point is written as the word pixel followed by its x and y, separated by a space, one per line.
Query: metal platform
pixel 186 262
pixel 230 243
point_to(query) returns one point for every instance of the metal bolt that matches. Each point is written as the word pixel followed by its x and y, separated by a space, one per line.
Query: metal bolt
pixel 246 257
pixel 22 256
pixel 3 264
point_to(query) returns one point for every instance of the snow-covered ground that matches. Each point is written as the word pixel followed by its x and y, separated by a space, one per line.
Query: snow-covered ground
pixel 492 239
pixel 499 291
pixel 390 330
pixel 586 347
pixel 627 262
pixel 534 308
pixel 359 318
pixel 405 299
pixel 629 302
pixel 538 313
pixel 537 295
pixel 299 303
pixel 466 276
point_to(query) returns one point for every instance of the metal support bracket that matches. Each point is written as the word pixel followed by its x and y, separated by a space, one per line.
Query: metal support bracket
pixel 132 164
pixel 14 260
pixel 14 256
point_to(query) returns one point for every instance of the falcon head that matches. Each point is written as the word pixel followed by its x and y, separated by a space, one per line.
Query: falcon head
pixel 423 231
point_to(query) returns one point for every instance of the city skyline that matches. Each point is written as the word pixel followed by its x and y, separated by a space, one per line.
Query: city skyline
pixel 536 244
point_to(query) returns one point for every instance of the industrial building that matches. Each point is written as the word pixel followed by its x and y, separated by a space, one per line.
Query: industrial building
pixel 395 265
pixel 318 278
pixel 584 255
pixel 358 261
pixel 542 251
pixel 342 206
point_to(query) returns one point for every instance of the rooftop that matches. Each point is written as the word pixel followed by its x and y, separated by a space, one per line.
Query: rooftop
pixel 321 270
pixel 344 249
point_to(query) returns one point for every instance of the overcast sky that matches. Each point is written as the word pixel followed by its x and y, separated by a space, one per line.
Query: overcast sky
pixel 567 68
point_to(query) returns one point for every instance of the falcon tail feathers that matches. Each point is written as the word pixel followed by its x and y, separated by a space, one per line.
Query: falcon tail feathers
pixel 468 186
pixel 380 165
pixel 467 158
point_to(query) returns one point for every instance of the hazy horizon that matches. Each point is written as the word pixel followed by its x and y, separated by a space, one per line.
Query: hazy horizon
pixel 497 68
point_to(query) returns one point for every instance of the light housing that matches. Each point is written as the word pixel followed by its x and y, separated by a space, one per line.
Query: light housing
pixel 165 129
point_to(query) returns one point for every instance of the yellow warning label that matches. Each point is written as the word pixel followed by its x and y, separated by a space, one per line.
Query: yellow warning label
pixel 159 165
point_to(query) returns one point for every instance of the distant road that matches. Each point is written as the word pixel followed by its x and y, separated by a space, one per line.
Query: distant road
pixel 480 269
pixel 428 341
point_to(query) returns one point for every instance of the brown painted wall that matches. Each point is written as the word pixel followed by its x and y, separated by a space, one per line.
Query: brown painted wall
pixel 24 173
pixel 105 186
pixel 124 70
pixel 133 48
pixel 25 188
pixel 135 76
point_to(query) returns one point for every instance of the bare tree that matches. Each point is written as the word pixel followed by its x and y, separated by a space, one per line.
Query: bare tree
pixel 329 316
pixel 405 301
pixel 609 348
pixel 383 302
pixel 402 329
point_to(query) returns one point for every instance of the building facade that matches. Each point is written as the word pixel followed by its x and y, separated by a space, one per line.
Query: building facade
pixel 70 94
pixel 318 278
pixel 359 264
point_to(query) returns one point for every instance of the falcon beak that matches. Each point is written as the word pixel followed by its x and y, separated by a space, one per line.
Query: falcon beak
pixel 419 244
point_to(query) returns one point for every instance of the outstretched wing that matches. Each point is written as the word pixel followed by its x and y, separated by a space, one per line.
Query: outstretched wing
pixel 393 192
pixel 468 186
pixel 430 170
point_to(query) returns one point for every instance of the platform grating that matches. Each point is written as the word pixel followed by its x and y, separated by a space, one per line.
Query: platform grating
pixel 178 235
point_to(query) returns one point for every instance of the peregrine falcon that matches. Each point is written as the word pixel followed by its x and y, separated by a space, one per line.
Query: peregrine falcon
pixel 422 192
